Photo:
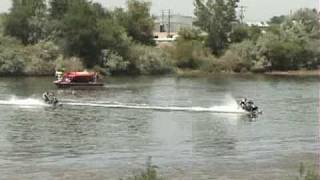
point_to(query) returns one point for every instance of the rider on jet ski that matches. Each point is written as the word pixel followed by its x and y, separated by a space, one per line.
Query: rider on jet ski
pixel 243 102
pixel 50 98
pixel 248 105
pixel 45 97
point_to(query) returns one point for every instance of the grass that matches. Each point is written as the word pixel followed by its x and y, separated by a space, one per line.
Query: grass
pixel 150 173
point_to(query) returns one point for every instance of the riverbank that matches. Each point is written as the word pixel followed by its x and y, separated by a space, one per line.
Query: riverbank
pixel 199 73
pixel 295 73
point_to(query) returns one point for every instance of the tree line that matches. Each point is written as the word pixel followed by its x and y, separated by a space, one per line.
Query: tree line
pixel 36 39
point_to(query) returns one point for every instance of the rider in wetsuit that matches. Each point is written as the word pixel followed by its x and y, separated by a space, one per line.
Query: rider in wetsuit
pixel 45 97
pixel 55 100
pixel 243 102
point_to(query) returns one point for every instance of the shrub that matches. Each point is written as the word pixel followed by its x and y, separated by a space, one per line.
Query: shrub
pixel 208 63
pixel 115 63
pixel 148 60
pixel 189 54
pixel 12 59
pixel 307 173
pixel 150 173
pixel 41 58
pixel 239 33
pixel 240 57
pixel 69 64
pixel 11 62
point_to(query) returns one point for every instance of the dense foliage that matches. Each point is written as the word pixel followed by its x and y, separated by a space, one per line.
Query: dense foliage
pixel 289 43
pixel 216 18
pixel 36 38
pixel 79 28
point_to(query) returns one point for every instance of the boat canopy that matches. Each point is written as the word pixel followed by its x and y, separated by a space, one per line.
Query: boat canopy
pixel 81 76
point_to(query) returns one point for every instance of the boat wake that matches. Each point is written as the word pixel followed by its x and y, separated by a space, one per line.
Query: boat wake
pixel 29 102
pixel 230 107
pixel 214 109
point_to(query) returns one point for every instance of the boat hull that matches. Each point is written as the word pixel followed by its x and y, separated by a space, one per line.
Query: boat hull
pixel 77 84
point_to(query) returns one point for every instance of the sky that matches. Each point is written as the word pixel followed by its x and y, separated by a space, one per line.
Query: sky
pixel 256 10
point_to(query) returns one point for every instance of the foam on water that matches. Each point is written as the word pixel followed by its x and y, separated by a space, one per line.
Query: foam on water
pixel 230 106
pixel 29 102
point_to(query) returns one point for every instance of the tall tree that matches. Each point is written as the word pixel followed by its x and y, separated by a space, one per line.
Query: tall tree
pixel 216 17
pixel 58 8
pixel 277 19
pixel 80 36
pixel 140 22
pixel 25 20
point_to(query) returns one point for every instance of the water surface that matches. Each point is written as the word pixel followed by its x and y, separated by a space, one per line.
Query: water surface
pixel 96 135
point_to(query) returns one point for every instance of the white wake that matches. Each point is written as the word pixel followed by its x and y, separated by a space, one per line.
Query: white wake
pixel 230 105
pixel 29 102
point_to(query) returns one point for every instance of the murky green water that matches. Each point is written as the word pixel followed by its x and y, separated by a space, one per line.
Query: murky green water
pixel 97 136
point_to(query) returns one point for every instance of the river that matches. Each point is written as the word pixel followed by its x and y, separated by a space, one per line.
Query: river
pixel 191 127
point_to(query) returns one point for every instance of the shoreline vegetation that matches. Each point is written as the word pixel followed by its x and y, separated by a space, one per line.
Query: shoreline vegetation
pixel 37 39
pixel 305 171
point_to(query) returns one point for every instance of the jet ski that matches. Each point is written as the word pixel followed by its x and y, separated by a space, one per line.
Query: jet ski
pixel 250 107
pixel 50 99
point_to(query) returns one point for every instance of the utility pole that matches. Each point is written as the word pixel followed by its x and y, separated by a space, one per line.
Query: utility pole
pixel 242 13
pixel 318 10
pixel 169 22
pixel 162 26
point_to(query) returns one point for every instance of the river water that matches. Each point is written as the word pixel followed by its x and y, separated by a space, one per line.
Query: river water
pixel 191 127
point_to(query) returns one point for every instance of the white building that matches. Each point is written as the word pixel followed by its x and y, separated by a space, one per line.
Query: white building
pixel 167 27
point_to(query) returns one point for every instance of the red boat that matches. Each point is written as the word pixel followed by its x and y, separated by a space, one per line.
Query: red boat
pixel 71 79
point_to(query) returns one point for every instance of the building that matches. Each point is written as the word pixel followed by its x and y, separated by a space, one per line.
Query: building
pixel 167 26
pixel 258 24
pixel 173 23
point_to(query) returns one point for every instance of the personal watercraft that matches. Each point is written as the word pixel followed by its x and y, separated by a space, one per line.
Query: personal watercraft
pixel 250 107
pixel 50 99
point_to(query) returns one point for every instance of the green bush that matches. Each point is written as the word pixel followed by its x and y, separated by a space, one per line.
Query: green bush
pixel 285 52
pixel 2 21
pixel 190 54
pixel 240 57
pixel 307 173
pixel 292 45
pixel 148 60
pixel 69 64
pixel 116 64
pixel 41 58
pixel 12 59
pixel 189 51
pixel 239 33
pixel 11 62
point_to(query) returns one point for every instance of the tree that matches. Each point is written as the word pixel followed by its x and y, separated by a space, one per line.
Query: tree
pixel 239 33
pixel 307 18
pixel 80 36
pixel 140 23
pixel 25 20
pixel 277 19
pixel 112 37
pixel 216 18
pixel 58 8
pixel 2 20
